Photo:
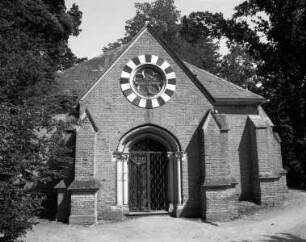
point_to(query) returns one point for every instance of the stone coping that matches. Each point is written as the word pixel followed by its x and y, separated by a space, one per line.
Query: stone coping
pixel 91 185
pixel 268 175
pixel 219 181
pixel 60 185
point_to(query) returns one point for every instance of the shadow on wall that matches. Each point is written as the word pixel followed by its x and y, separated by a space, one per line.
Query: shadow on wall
pixel 193 205
pixel 247 168
pixel 283 237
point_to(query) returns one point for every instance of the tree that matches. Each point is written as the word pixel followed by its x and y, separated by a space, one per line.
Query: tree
pixel 33 45
pixel 163 16
pixel 283 65
pixel 165 19
pixel 202 25
pixel 240 68
pixel 203 53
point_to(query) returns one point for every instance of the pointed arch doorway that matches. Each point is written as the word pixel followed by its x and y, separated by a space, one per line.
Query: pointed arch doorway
pixel 148 170
pixel 148 176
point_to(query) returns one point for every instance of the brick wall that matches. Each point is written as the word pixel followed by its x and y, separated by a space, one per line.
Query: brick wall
pixel 114 116
pixel 220 204
pixel 85 152
pixel 219 199
pixel 239 153
pixel 269 181
pixel 228 154
pixel 83 208
pixel 192 178
pixel 83 204
pixel 240 149
pixel 215 151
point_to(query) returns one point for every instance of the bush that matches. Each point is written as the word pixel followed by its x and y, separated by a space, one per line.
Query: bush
pixel 18 207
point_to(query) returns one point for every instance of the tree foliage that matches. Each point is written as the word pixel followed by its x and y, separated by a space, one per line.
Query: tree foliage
pixel 162 15
pixel 33 45
pixel 240 68
pixel 202 25
pixel 283 65
pixel 167 22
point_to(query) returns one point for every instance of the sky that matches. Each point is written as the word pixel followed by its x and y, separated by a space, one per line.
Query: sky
pixel 103 21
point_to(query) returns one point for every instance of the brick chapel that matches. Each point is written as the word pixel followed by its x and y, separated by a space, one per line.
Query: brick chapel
pixel 158 135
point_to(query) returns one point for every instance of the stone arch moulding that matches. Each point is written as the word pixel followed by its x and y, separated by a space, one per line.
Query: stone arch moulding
pixel 174 154
pixel 149 131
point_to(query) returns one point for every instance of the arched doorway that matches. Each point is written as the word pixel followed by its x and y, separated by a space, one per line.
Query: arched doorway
pixel 148 176
pixel 148 170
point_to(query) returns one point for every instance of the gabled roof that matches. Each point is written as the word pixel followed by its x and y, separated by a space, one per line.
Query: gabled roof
pixel 223 91
pixel 78 79
pixel 81 79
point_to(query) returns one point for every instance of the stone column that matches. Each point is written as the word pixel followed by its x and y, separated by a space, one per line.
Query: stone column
pixel 122 178
pixel 170 183
pixel 176 159
pixel 119 182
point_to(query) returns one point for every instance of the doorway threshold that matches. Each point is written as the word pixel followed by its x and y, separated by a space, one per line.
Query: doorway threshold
pixel 143 213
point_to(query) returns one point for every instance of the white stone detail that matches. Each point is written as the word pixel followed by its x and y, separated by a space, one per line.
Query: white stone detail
pixel 170 75
pixel 171 87
pixel 131 97
pixel 155 103
pixel 179 184
pixel 125 182
pixel 142 103
pixel 119 183
pixel 154 59
pixel 131 64
pixel 165 65
pixel 142 59
pixel 125 86
pixel 125 74
pixel 165 97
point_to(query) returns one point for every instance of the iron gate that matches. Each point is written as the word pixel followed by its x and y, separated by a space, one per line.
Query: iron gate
pixel 148 181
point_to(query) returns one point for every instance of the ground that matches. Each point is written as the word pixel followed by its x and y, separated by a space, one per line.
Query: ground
pixel 286 222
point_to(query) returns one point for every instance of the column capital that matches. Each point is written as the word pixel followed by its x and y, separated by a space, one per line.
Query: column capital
pixel 120 155
pixel 179 155
pixel 176 155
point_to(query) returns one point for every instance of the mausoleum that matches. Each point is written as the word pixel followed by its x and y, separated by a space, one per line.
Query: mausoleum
pixel 157 134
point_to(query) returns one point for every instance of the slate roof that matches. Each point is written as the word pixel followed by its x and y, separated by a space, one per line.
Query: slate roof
pixel 79 79
pixel 223 90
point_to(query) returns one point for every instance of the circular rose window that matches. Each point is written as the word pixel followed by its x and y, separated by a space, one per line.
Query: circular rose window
pixel 148 81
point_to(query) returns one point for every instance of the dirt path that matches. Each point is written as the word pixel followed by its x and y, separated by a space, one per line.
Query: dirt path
pixel 284 223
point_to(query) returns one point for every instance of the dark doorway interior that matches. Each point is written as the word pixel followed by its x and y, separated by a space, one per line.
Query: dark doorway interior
pixel 148 144
pixel 148 176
